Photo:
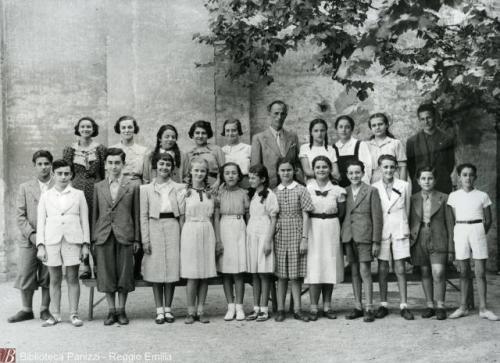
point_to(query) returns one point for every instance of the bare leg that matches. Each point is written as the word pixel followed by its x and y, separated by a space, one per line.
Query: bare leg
pixel 227 280
pixel 326 291
pixel 73 288
pixel 383 271
pixel 464 282
pixel 399 268
pixel 45 298
pixel 438 272
pixel 366 275
pixel 239 285
pixel 55 288
pixel 356 285
pixel 314 292
pixel 427 285
pixel 191 292
pixel 110 299
pixel 282 288
pixel 169 290
pixel 202 292
pixel 266 287
pixel 479 269
pixel 122 300
pixel 296 291
pixel 27 300
pixel 256 286
pixel 158 294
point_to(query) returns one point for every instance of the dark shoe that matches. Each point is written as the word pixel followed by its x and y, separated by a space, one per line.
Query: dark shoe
pixel 313 315
pixel 330 314
pixel 263 316
pixel 202 318
pixel 280 316
pixel 405 313
pixel 253 316
pixel 138 277
pixel 369 316
pixel 299 315
pixel 169 318
pixel 189 319
pixel 111 319
pixel 428 313
pixel 354 314
pixel 440 314
pixel 85 275
pixel 45 314
pixel 21 316
pixel 382 312
pixel 122 318
pixel 160 319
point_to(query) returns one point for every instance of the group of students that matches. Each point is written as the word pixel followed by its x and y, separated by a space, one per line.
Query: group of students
pixel 208 211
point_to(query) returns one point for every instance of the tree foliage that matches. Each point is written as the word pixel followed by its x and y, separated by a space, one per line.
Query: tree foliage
pixel 452 47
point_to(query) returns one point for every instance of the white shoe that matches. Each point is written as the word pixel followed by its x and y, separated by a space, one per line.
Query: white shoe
pixel 459 313
pixel 75 320
pixel 488 314
pixel 230 313
pixel 240 315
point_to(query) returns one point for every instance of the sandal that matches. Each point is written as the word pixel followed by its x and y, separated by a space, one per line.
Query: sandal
pixel 263 316
pixel 253 316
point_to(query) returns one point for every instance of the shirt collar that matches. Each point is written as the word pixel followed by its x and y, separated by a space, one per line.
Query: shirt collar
pixel 315 186
pixel 275 132
pixel 340 144
pixel 119 180
pixel 426 194
pixel 65 191
pixel 158 186
pixel 386 141
pixel 289 187
pixel 47 183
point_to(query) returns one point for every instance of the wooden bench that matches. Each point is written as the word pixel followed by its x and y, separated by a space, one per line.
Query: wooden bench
pixel 413 276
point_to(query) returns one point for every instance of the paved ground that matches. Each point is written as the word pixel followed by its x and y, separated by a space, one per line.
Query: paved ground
pixel 392 339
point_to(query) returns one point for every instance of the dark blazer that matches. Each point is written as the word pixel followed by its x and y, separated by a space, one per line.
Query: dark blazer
pixel 26 209
pixel 441 221
pixel 120 217
pixel 363 221
pixel 441 156
pixel 265 151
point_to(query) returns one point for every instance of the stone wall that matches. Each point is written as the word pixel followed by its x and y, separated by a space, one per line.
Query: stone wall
pixel 63 59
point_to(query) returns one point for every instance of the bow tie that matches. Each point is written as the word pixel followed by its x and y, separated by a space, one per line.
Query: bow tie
pixel 319 193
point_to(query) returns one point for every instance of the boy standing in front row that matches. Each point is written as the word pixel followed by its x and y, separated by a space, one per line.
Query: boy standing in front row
pixel 395 196
pixel 115 234
pixel 32 273
pixel 472 213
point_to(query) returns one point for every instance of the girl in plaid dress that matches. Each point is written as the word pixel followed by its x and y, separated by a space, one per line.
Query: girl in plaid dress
pixel 290 242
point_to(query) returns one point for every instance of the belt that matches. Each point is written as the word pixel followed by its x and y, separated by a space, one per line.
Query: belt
pixel 289 215
pixel 426 224
pixel 234 216
pixel 474 221
pixel 167 215
pixel 197 219
pixel 323 215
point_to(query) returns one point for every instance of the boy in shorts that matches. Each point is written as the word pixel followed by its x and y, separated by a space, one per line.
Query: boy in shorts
pixel 31 272
pixel 472 215
pixel 63 238
pixel 395 196
pixel 361 235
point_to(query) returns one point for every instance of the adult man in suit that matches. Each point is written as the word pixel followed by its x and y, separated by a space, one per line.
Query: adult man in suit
pixel 31 272
pixel 275 143
pixel 115 234
pixel 431 147
pixel 361 235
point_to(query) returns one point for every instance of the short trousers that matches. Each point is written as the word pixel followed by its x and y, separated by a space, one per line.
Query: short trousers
pixel 422 253
pixel 63 253
pixel 470 238
pixel 398 248
pixel 358 252
pixel 31 272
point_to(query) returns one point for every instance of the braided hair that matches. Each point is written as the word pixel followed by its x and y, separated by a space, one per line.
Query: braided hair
pixel 189 184
pixel 175 149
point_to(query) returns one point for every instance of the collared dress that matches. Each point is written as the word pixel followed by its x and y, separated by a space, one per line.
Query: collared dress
pixel 292 201
pixel 198 236
pixel 89 167
pixel 389 146
pixel 134 160
pixel 233 205
pixel 310 152
pixel 258 226
pixel 325 259
pixel 239 154
pixel 163 264
pixel 214 156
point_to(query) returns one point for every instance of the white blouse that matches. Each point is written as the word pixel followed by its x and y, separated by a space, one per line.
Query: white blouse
pixel 239 154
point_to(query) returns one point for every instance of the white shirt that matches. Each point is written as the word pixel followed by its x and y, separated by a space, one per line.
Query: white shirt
pixel 311 152
pixel 469 206
pixel 164 190
pixel 61 198
pixel 239 154
pixel 44 186
pixel 114 185
pixel 134 158
pixel 363 155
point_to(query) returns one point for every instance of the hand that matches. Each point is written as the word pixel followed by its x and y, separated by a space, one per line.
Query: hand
pixel 84 252
pixel 267 248
pixel 147 248
pixel 137 247
pixel 41 254
pixel 219 248
pixel 303 246
pixel 375 249
pixel 32 238
pixel 451 257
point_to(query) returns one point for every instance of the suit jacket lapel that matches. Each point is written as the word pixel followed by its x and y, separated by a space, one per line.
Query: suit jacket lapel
pixel 363 191
pixel 35 191
pixel 271 141
pixel 418 204
pixel 394 195
pixel 287 141
pixel 106 191
pixel 121 191
pixel 436 201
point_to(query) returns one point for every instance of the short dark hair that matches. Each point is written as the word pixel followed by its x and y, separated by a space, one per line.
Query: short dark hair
pixel 115 151
pixel 163 156
pixel 426 169
pixel 42 154
pixel 429 107
pixel 322 158
pixel 95 126
pixel 61 163
pixel 278 102
pixel 466 166
pixel 355 162
pixel 205 125
pixel 232 121
pixel 344 117
pixel 126 118
pixel 387 157
pixel 230 163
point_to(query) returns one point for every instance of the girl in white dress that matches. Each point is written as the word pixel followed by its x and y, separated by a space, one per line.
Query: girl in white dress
pixel 264 209
pixel 325 260
pixel 318 145
pixel 236 151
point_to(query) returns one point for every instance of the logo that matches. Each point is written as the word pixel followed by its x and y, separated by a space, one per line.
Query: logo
pixel 7 355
